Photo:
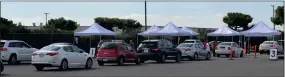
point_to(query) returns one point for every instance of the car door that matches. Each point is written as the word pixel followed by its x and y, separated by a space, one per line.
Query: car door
pixel 198 50
pixel 15 48
pixel 27 49
pixel 123 49
pixel 131 52
pixel 79 54
pixel 202 49
pixel 23 50
pixel 70 55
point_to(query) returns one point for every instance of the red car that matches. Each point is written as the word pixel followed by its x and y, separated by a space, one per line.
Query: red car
pixel 117 52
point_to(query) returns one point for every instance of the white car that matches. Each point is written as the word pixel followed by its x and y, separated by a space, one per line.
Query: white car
pixel 62 56
pixel 192 41
pixel 194 51
pixel 225 47
pixel 15 51
pixel 267 45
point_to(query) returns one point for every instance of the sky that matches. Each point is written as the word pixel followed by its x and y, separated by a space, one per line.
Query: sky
pixel 190 14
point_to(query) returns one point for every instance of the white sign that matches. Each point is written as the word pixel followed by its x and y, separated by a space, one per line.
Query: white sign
pixel 273 54
pixel 92 52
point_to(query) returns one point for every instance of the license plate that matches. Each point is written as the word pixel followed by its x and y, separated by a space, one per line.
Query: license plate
pixel 105 59
pixel 145 50
pixel 41 55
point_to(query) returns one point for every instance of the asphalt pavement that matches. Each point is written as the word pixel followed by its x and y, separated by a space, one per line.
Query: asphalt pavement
pixel 219 67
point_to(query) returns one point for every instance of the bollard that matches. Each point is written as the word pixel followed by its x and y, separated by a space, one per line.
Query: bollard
pixel 255 51
pixel 231 54
pixel 244 51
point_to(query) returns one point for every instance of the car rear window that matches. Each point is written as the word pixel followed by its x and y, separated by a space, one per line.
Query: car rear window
pixel 51 48
pixel 228 44
pixel 185 45
pixel 267 42
pixel 2 44
pixel 189 42
pixel 148 45
pixel 108 46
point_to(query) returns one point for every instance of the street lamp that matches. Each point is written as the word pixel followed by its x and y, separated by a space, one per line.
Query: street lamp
pixel 273 17
pixel 46 17
pixel 145 11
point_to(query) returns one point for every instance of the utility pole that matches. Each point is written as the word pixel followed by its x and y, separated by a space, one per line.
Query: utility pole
pixel 46 18
pixel 145 11
pixel 273 17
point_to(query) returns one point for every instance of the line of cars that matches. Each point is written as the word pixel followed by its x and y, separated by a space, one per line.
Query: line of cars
pixel 67 55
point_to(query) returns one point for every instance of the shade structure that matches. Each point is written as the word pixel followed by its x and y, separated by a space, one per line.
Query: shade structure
pixel 190 31
pixel 151 29
pixel 224 31
pixel 260 29
pixel 94 29
pixel 170 30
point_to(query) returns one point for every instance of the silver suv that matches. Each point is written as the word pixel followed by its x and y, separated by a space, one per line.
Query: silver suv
pixel 15 51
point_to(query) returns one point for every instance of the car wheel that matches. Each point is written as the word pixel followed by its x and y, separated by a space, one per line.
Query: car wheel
pixel 195 57
pixel 161 59
pixel 178 57
pixel 120 61
pixel 218 55
pixel 100 63
pixel 89 63
pixel 39 67
pixel 63 65
pixel 208 57
pixel 13 59
pixel 138 61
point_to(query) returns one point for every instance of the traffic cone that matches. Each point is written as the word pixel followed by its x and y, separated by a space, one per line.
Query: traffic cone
pixel 255 51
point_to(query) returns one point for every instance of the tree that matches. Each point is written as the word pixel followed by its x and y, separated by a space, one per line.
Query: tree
pixel 279 16
pixel 237 20
pixel 61 24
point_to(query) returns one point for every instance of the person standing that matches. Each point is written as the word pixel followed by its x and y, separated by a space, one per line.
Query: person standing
pixel 214 48
pixel 132 43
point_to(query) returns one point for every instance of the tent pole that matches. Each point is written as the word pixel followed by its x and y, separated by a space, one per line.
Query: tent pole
pixel 232 38
pixel 90 41
pixel 147 37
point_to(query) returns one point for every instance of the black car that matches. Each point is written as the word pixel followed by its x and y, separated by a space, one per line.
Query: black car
pixel 158 50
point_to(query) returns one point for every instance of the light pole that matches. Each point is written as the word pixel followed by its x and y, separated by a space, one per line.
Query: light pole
pixel 145 11
pixel 273 17
pixel 46 17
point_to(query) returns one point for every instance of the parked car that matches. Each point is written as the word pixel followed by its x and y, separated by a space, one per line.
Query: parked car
pixel 194 51
pixel 225 47
pixel 1 65
pixel 267 45
pixel 158 50
pixel 103 41
pixel 117 52
pixel 15 51
pixel 62 56
pixel 192 41
pixel 212 43
pixel 61 43
pixel 281 42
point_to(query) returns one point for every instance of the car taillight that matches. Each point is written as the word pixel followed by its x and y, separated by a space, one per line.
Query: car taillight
pixel 156 49
pixel 4 49
pixel 33 54
pixel 53 53
pixel 229 48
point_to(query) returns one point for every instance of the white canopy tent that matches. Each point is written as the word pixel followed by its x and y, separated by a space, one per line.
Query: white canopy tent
pixel 190 31
pixel 170 30
pixel 94 29
pixel 259 30
pixel 224 31
pixel 151 29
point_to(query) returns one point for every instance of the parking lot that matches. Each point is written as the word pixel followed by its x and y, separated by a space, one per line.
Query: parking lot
pixel 247 66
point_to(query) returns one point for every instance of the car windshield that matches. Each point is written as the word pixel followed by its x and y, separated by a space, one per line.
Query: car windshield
pixel 2 44
pixel 51 48
pixel 227 44
pixel 267 42
pixel 189 41
pixel 185 45
pixel 148 45
pixel 108 46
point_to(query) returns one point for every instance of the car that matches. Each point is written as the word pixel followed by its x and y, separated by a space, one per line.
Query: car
pixel 15 51
pixel 158 50
pixel 193 41
pixel 194 51
pixel 117 52
pixel 1 65
pixel 281 42
pixel 61 56
pixel 62 43
pixel 225 47
pixel 267 45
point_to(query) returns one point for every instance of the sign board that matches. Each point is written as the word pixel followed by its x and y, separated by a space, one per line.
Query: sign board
pixel 92 52
pixel 273 54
